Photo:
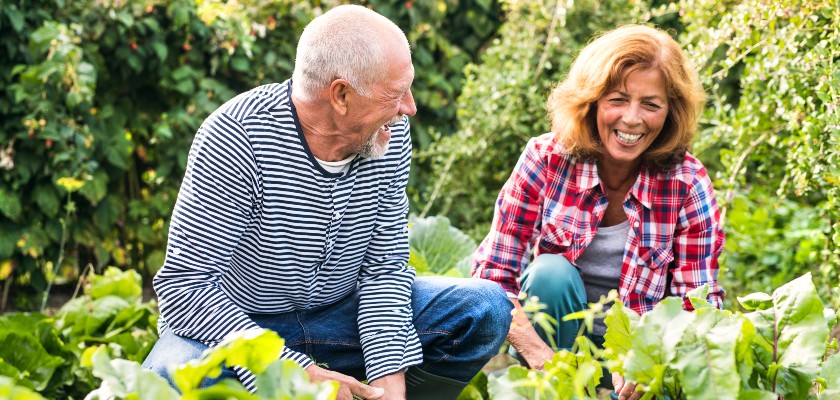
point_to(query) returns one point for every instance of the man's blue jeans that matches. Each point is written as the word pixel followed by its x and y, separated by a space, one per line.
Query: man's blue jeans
pixel 461 323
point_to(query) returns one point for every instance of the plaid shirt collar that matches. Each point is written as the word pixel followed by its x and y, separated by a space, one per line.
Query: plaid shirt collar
pixel 586 175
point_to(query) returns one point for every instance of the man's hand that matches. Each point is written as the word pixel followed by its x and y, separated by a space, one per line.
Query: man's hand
pixel 348 386
pixel 394 386
pixel 523 337
pixel 626 390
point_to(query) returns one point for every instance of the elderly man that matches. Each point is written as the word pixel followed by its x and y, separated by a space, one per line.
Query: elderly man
pixel 292 217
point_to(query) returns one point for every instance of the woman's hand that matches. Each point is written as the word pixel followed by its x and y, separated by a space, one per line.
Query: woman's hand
pixel 348 386
pixel 626 390
pixel 523 337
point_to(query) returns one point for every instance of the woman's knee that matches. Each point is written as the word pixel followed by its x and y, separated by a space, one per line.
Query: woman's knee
pixel 551 274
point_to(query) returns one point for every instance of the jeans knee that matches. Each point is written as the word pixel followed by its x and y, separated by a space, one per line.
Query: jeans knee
pixel 171 350
pixel 490 306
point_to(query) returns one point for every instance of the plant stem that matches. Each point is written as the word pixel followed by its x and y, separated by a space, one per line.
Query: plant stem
pixel 6 287
pixel 60 252
pixel 81 280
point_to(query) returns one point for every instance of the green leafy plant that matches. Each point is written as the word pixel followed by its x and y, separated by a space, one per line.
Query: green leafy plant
pixel 773 125
pixel 257 350
pixel 776 350
pixel 438 248
pixel 772 351
pixel 43 353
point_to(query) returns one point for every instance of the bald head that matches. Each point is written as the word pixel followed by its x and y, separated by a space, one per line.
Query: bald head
pixel 348 42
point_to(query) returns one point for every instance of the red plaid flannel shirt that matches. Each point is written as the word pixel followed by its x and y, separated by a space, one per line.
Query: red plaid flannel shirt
pixel 552 199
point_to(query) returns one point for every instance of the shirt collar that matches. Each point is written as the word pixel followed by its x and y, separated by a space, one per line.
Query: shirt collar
pixel 586 174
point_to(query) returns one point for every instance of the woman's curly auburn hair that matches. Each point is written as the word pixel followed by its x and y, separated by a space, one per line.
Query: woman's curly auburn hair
pixel 601 67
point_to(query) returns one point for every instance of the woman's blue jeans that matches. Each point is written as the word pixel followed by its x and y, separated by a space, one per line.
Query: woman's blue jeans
pixel 461 323
pixel 558 284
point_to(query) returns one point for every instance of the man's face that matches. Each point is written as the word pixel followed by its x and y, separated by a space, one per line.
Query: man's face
pixel 390 100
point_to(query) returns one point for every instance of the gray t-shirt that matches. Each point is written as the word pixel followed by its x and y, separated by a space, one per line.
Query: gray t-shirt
pixel 600 265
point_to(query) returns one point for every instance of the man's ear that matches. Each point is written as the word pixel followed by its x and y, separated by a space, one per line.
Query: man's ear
pixel 339 91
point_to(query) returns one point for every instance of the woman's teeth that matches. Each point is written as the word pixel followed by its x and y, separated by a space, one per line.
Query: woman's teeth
pixel 628 138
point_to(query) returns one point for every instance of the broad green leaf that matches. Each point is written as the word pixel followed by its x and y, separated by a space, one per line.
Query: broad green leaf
pixel 653 344
pixel 517 383
pixel 132 317
pixel 9 204
pixel 23 351
pixel 7 369
pixel 95 190
pixel 127 379
pixel 436 246
pixel 756 301
pixel 707 357
pixel 621 322
pixel 228 389
pixel 790 338
pixel 477 389
pixel 830 372
pixel 21 322
pixel 47 199
pixel 253 349
pixel 285 379
pixel 126 285
pixel 698 297
pixel 81 316
pixel 9 390
pixel 756 394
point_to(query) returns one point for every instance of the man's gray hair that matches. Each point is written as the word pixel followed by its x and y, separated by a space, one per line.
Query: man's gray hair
pixel 346 42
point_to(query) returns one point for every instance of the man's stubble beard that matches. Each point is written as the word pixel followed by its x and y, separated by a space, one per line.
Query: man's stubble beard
pixel 374 147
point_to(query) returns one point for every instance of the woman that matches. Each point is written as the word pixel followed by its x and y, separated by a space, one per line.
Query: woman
pixel 611 199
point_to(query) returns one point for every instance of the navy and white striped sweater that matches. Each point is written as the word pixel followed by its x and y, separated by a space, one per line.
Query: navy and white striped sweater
pixel 261 227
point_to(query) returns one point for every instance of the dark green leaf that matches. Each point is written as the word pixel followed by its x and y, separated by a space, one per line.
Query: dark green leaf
pixel 24 352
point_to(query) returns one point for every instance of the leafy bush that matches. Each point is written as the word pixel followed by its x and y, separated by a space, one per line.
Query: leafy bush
pixel 773 123
pixel 43 353
pixel 770 133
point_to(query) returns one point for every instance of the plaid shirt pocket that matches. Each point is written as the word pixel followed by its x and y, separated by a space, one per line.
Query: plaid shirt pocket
pixel 652 269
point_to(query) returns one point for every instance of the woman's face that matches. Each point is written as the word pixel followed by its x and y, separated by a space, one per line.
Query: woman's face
pixel 629 117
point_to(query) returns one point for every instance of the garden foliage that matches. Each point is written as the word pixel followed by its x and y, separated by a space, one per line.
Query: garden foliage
pixel 776 350
pixel 42 354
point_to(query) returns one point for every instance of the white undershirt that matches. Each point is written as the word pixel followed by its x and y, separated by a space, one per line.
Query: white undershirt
pixel 336 167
